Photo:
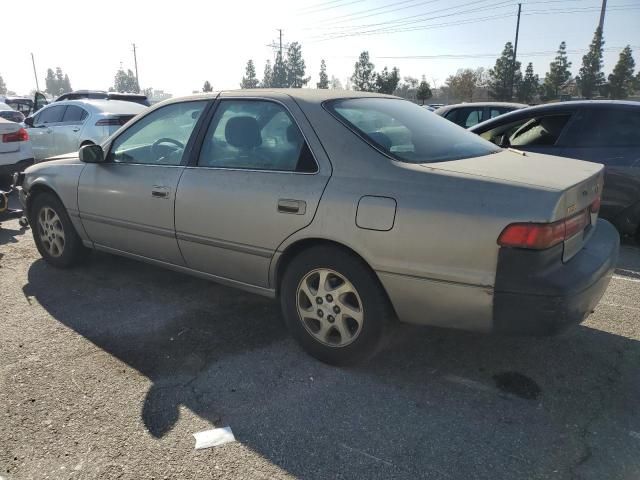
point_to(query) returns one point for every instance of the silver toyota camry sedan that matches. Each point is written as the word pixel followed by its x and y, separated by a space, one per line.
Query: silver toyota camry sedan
pixel 353 209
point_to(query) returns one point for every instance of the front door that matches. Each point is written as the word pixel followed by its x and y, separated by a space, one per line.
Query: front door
pixel 42 131
pixel 255 182
pixel 66 135
pixel 127 203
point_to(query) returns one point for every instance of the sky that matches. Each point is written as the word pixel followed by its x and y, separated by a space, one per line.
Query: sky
pixel 182 44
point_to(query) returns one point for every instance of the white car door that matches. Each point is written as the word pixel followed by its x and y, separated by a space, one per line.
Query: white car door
pixel 42 131
pixel 67 133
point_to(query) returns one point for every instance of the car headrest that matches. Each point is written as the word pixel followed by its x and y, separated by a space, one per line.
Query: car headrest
pixel 243 132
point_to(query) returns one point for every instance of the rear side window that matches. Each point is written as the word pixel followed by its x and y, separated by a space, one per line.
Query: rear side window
pixel 74 114
pixel 408 132
pixel 465 117
pixel 607 128
pixel 539 131
pixel 52 114
pixel 256 135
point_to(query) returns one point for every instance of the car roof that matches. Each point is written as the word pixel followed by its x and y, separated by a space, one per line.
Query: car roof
pixel 309 95
pixel 554 107
pixel 447 108
pixel 104 106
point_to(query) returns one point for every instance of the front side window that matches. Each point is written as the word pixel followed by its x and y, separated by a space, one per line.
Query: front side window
pixel 539 131
pixel 408 132
pixel 160 137
pixel 256 135
pixel 52 114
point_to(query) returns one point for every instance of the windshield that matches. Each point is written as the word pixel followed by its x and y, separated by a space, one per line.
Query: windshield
pixel 408 132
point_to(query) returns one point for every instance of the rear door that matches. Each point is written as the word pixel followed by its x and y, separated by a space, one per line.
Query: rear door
pixel 610 136
pixel 67 133
pixel 257 179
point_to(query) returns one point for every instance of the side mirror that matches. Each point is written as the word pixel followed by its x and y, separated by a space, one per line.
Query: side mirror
pixel 28 122
pixel 91 154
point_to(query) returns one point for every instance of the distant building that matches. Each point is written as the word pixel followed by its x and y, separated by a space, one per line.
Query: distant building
pixel 159 96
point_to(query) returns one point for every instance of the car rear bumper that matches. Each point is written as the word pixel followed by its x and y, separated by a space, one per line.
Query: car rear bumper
pixel 537 294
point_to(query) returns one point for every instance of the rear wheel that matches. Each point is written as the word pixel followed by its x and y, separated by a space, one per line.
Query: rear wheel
pixel 334 305
pixel 53 232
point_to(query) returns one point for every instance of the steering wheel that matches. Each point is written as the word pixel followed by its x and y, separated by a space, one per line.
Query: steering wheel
pixel 166 140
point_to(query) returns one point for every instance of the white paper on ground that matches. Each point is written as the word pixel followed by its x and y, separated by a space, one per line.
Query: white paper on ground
pixel 213 437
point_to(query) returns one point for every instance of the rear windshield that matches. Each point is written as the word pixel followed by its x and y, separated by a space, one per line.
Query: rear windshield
pixel 408 132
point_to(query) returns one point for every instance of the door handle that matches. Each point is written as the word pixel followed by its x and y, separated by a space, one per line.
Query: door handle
pixel 49 130
pixel 296 207
pixel 76 129
pixel 160 192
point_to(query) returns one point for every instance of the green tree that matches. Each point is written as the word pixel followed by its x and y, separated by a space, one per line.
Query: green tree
pixel 50 82
pixel 279 77
pixel 387 81
pixel 558 73
pixel 364 77
pixel 249 80
pixel 66 84
pixel 529 85
pixel 336 84
pixel 3 86
pixel 207 87
pixel 295 67
pixel 424 91
pixel 462 84
pixel 621 80
pixel 267 76
pixel 125 81
pixel 504 75
pixel 591 77
pixel 324 78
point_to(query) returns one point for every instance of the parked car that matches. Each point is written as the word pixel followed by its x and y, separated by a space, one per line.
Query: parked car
pixel 349 207
pixel 469 114
pixel 63 127
pixel 600 131
pixel 102 95
pixel 15 150
pixel 10 114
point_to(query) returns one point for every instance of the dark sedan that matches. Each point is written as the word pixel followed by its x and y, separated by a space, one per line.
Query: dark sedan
pixel 599 131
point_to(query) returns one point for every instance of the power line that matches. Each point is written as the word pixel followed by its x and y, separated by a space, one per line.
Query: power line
pixel 333 6
pixel 367 13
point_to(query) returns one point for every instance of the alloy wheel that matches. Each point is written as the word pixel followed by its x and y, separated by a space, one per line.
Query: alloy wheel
pixel 51 231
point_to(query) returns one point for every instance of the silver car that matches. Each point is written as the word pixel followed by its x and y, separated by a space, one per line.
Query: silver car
pixel 65 126
pixel 353 209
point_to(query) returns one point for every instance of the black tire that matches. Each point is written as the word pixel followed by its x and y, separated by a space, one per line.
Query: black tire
pixel 72 251
pixel 376 310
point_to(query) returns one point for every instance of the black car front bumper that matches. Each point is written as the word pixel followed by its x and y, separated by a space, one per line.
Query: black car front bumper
pixel 537 294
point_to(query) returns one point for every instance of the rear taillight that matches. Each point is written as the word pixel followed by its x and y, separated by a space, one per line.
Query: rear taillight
pixel 19 136
pixel 110 122
pixel 538 236
pixel 595 205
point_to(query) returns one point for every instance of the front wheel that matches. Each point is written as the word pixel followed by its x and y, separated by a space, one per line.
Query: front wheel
pixel 334 305
pixel 53 232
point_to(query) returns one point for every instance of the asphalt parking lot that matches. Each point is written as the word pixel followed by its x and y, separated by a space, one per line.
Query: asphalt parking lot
pixel 106 371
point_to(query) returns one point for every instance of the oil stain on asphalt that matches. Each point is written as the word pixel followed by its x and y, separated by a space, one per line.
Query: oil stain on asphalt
pixel 517 384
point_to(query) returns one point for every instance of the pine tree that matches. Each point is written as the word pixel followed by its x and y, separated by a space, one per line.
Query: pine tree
pixel 249 80
pixel 267 76
pixel 207 87
pixel 324 78
pixel 591 77
pixel 621 80
pixel 386 82
pixel 558 73
pixel 295 67
pixel 504 75
pixel 424 91
pixel 3 86
pixel 50 83
pixel 529 85
pixel 66 84
pixel 364 78
pixel 279 77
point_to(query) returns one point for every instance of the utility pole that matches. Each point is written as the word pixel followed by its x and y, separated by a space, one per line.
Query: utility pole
pixel 33 61
pixel 280 30
pixel 602 12
pixel 135 62
pixel 515 51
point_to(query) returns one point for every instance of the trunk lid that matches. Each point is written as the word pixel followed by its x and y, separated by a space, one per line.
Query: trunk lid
pixel 579 182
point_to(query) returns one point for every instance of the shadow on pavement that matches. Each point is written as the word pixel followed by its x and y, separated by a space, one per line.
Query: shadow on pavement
pixel 432 405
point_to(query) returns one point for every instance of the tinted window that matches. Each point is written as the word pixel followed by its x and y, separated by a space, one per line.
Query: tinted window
pixel 52 114
pixel 159 138
pixel 408 132
pixel 497 111
pixel 539 131
pixel 257 135
pixel 74 114
pixel 607 128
